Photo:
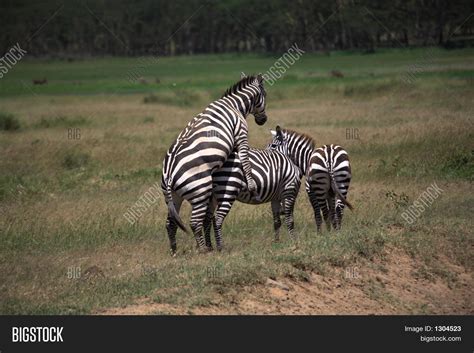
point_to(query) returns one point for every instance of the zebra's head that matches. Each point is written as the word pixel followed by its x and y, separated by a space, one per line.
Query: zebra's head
pixel 278 142
pixel 299 147
pixel 260 102
pixel 249 96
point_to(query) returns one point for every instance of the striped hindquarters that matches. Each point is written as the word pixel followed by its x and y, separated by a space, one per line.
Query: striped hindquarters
pixel 201 148
pixel 328 164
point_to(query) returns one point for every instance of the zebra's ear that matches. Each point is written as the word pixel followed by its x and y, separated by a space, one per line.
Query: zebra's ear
pixel 260 78
pixel 243 75
pixel 279 132
pixel 273 132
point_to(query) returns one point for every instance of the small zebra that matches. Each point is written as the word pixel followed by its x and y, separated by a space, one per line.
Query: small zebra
pixel 277 178
pixel 203 147
pixel 329 176
pixel 300 149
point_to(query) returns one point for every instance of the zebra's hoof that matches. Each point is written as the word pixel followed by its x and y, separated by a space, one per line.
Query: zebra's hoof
pixel 203 250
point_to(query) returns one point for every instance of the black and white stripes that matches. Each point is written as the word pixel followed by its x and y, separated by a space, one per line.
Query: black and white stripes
pixel 210 165
pixel 203 147
pixel 329 176
pixel 277 180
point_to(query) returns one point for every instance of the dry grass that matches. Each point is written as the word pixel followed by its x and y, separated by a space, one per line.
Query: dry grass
pixel 56 216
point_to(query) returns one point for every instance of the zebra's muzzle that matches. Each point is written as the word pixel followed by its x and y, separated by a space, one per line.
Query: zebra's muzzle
pixel 260 119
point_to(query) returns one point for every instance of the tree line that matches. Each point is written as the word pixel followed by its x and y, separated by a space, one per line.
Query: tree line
pixel 71 28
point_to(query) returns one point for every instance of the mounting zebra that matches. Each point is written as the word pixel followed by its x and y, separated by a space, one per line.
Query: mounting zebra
pixel 329 176
pixel 301 150
pixel 203 147
pixel 277 178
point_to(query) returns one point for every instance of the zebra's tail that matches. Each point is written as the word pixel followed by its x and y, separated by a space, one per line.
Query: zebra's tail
pixel 172 208
pixel 339 193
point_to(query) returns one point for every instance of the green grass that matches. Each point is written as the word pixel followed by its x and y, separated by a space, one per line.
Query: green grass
pixel 212 72
pixel 187 281
pixel 63 199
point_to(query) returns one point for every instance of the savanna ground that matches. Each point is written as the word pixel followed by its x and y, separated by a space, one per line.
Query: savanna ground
pixel 65 247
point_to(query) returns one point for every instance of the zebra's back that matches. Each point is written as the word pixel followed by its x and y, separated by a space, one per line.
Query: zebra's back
pixel 273 172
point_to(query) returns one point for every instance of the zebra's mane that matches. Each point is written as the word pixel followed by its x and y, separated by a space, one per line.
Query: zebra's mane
pixel 242 83
pixel 301 136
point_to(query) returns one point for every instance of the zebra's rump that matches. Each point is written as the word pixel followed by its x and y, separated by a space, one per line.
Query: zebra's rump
pixel 326 161
pixel 201 148
pixel 273 172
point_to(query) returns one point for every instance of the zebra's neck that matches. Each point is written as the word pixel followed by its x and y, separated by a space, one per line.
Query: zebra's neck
pixel 243 105
pixel 302 157
pixel 300 149
pixel 243 99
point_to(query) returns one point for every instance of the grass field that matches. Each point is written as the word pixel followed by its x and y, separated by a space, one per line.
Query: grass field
pixel 65 247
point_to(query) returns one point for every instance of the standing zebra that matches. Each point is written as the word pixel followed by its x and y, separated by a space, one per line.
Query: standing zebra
pixel 301 148
pixel 277 178
pixel 203 147
pixel 329 176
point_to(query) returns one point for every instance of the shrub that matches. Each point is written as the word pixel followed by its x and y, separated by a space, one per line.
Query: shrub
pixel 148 119
pixel 460 165
pixel 8 122
pixel 75 159
pixel 61 121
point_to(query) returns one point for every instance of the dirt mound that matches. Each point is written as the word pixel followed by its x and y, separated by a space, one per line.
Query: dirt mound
pixel 391 286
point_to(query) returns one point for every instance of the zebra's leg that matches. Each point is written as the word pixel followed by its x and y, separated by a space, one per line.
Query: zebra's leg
pixel 332 211
pixel 316 209
pixel 276 205
pixel 289 219
pixel 198 215
pixel 207 229
pixel 324 209
pixel 339 213
pixel 172 227
pixel 290 202
pixel 223 209
pixel 209 220
pixel 282 207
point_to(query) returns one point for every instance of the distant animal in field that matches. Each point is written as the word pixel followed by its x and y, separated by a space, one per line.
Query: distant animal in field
pixel 278 181
pixel 337 73
pixel 203 147
pixel 40 82
pixel 329 176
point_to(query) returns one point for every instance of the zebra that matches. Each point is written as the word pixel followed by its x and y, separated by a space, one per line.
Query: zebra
pixel 300 148
pixel 329 176
pixel 277 179
pixel 203 147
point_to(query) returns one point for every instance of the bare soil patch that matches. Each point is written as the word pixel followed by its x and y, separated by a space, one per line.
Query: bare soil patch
pixel 389 286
